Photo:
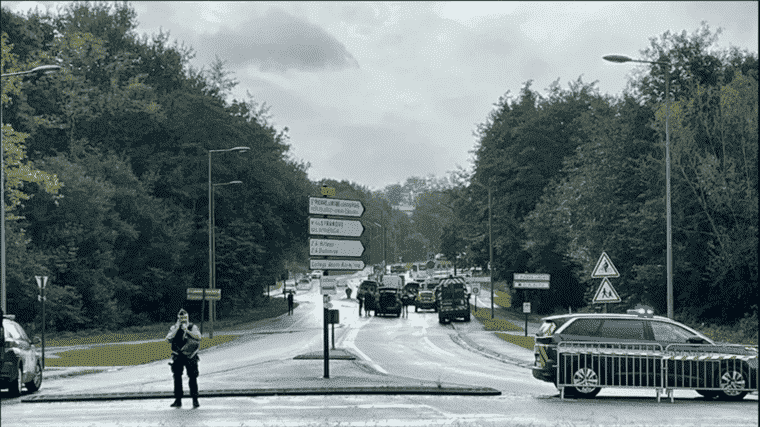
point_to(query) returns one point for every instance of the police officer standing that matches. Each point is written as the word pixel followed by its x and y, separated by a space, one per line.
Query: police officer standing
pixel 290 303
pixel 185 339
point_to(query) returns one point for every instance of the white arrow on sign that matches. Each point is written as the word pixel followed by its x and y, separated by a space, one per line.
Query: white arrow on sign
pixel 325 206
pixel 332 264
pixel 324 247
pixel 335 227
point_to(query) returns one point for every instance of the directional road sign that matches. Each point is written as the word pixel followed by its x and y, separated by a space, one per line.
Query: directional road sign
pixel 340 207
pixel 197 294
pixel 332 264
pixel 324 247
pixel 531 281
pixel 335 227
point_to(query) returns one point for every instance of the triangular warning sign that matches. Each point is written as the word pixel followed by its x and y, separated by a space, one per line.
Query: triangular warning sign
pixel 606 293
pixel 604 268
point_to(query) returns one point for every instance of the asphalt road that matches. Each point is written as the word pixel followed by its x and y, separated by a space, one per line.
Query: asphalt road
pixel 387 371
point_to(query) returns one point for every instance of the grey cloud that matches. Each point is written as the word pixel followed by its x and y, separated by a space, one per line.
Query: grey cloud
pixel 278 41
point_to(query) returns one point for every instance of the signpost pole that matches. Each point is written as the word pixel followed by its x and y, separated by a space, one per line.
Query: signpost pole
pixel 326 332
pixel 203 309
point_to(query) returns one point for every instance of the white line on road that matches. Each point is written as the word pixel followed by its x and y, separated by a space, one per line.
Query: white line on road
pixel 349 342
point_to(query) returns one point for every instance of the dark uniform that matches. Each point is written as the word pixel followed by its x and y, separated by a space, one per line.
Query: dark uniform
pixel 290 303
pixel 185 339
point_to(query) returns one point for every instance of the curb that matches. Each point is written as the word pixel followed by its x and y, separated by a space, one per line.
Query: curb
pixel 467 343
pixel 296 391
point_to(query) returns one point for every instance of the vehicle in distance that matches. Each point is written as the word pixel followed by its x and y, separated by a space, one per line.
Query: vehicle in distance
pixel 388 302
pixel 303 284
pixel 425 300
pixel 21 359
pixel 453 300
pixel 290 286
pixel 411 289
pixel 728 378
pixel 316 274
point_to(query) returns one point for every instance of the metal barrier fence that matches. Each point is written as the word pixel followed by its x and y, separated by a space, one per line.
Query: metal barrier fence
pixel 588 366
pixel 725 368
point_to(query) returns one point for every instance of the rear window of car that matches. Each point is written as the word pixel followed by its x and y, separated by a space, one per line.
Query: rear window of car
pixel 583 327
pixel 622 329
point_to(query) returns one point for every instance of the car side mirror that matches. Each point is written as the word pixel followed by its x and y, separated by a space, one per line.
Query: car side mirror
pixel 696 340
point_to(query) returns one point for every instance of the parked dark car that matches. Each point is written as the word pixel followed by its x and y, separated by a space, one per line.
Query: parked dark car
pixel 725 377
pixel 22 359
pixel 388 302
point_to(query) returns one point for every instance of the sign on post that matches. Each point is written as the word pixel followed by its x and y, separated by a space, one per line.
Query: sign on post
pixel 531 281
pixel 606 293
pixel 604 268
pixel 335 227
pixel 324 206
pixel 526 307
pixel 335 264
pixel 324 247
pixel 328 285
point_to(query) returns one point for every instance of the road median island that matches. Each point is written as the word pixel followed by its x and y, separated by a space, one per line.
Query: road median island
pixel 280 391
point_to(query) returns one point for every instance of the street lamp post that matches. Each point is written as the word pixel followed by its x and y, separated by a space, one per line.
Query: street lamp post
pixel 669 253
pixel 42 69
pixel 211 258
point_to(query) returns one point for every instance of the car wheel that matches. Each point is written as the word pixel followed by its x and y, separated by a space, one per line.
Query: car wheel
pixel 732 380
pixel 36 381
pixel 467 318
pixel 415 309
pixel 585 381
pixel 708 394
pixel 15 387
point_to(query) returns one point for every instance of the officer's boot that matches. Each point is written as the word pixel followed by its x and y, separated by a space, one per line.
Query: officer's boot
pixel 177 403
pixel 195 402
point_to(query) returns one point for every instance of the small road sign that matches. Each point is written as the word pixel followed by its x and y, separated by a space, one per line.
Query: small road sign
pixel 335 227
pixel 333 264
pixel 323 247
pixel 475 290
pixel 531 281
pixel 328 285
pixel 606 293
pixel 604 268
pixel 197 294
pixel 340 207
pixel 526 307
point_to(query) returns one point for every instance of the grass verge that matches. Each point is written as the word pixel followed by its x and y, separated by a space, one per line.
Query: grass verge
pixel 112 351
pixel 125 354
pixel 275 307
pixel 525 342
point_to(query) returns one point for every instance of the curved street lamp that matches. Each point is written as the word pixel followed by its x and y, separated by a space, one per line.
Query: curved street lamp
pixel 669 254
pixel 211 266
pixel 42 69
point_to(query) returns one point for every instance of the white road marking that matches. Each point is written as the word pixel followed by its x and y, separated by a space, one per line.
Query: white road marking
pixel 349 342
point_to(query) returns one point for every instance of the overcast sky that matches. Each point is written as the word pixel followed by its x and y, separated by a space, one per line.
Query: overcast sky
pixel 374 93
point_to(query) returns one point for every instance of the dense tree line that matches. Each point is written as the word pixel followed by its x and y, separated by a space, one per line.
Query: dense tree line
pixel 576 173
pixel 108 175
